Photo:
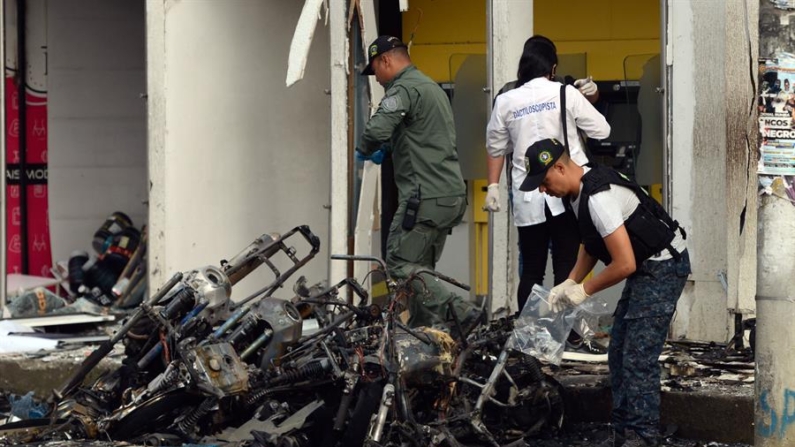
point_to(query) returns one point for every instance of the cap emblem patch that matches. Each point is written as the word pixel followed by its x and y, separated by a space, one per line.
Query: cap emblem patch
pixel 545 157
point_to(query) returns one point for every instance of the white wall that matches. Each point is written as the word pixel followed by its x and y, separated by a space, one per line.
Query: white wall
pixel 233 152
pixel 97 120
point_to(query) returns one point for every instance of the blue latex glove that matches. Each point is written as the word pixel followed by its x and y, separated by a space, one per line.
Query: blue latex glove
pixel 360 156
pixel 376 157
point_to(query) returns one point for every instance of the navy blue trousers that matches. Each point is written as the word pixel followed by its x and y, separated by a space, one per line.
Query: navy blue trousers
pixel 640 327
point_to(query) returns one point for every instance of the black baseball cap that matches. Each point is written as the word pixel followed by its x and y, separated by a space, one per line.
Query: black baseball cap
pixel 540 156
pixel 380 46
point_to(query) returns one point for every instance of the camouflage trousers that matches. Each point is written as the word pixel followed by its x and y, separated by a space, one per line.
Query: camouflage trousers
pixel 421 247
pixel 640 327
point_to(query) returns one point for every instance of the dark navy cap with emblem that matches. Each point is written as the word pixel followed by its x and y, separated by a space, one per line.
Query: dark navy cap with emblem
pixel 380 46
pixel 540 156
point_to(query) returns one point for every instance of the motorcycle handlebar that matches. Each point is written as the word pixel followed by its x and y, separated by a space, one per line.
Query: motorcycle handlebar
pixel 375 259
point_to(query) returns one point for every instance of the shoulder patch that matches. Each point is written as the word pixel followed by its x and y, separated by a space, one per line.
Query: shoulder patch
pixel 391 103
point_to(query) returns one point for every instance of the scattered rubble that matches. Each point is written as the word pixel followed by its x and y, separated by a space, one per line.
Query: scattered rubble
pixel 686 366
pixel 199 368
pixel 691 365
pixel 112 279
pixel 324 368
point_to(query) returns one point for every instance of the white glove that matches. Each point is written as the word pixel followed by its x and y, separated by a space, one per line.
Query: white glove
pixel 575 294
pixel 492 198
pixel 555 295
pixel 586 86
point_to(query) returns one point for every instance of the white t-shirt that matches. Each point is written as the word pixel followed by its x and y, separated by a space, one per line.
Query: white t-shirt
pixel 531 113
pixel 611 208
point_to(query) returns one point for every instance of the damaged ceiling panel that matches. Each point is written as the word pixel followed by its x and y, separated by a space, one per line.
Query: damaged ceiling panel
pixel 302 40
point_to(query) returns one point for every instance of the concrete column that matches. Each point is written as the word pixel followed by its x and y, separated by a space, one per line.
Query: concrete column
pixel 775 331
pixel 510 24
pixel 774 404
pixel 156 141
pixel 338 223
pixel 741 188
pixel 696 53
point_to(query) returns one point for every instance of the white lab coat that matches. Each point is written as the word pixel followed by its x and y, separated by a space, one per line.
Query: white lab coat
pixel 531 113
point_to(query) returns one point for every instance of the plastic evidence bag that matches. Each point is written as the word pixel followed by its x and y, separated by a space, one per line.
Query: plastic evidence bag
pixel 542 333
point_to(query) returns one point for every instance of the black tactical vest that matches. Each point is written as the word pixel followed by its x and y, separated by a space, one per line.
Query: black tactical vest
pixel 650 228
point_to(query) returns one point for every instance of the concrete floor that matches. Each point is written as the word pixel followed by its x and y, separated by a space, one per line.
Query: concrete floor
pixel 710 414
pixel 589 434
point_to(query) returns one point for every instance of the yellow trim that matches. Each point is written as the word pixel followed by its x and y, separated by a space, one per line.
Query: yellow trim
pixel 481 259
pixel 655 191
pixel 443 31
pixel 608 31
pixel 478 199
pixel 481 229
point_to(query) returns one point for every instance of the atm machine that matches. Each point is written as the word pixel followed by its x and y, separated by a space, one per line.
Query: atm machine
pixel 618 102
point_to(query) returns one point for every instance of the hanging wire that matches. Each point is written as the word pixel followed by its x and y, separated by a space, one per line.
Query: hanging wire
pixel 414 30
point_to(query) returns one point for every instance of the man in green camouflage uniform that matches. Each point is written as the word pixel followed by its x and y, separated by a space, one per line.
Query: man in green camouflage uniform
pixel 415 120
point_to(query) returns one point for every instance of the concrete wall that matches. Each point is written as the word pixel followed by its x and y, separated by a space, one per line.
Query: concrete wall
pixel 233 153
pixel 97 119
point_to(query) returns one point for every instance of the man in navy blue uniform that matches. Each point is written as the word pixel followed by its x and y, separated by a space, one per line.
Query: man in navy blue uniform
pixel 622 226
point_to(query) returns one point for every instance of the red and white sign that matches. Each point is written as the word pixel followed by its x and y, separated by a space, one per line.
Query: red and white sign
pixel 28 223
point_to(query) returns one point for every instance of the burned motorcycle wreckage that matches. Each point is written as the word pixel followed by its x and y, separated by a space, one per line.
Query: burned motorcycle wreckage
pixel 473 390
pixel 200 367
